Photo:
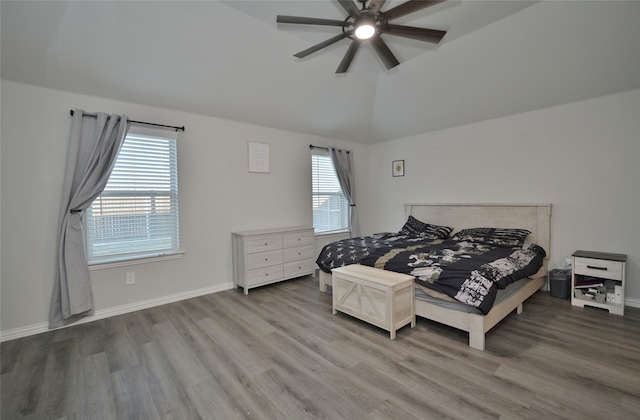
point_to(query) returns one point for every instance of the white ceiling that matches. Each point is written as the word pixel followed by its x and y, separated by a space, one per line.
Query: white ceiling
pixel 230 59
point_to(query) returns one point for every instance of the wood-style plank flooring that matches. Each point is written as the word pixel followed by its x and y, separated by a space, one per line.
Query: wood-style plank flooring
pixel 279 353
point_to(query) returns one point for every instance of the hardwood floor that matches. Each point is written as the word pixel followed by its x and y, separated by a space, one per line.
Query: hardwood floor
pixel 279 353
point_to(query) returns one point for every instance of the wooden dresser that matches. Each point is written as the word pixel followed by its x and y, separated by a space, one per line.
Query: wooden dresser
pixel 267 256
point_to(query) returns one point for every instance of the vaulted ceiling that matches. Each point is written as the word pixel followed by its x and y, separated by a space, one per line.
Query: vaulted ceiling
pixel 230 59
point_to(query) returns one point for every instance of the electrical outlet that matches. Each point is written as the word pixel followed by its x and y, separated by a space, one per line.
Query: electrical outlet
pixel 130 278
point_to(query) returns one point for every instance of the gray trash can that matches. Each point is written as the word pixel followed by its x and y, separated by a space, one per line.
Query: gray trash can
pixel 560 283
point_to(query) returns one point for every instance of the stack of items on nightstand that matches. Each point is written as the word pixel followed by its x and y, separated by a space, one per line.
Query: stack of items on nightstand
pixel 593 288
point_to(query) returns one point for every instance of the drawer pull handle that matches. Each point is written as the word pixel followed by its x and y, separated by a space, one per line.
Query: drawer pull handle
pixel 593 267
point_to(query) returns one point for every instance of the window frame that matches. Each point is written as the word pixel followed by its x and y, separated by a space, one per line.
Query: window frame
pixel 168 141
pixel 345 212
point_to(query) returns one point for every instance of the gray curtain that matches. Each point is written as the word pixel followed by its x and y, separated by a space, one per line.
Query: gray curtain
pixel 94 143
pixel 343 164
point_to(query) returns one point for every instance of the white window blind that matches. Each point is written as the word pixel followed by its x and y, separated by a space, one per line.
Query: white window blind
pixel 137 214
pixel 330 207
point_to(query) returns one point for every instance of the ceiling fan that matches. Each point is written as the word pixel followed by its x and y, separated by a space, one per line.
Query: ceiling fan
pixel 367 24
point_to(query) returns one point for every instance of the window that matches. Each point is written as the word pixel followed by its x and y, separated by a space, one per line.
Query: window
pixel 330 207
pixel 137 213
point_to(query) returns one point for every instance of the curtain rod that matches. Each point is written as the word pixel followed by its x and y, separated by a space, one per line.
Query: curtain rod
pixel 311 146
pixel 138 122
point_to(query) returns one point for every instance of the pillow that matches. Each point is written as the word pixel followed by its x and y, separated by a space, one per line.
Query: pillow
pixel 504 237
pixel 414 227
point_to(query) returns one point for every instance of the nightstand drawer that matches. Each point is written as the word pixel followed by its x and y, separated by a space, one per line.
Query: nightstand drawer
pixel 605 269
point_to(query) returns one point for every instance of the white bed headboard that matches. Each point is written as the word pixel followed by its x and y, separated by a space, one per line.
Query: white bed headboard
pixel 533 217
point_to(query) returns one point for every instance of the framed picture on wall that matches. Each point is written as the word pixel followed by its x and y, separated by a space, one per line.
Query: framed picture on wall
pixel 259 157
pixel 397 168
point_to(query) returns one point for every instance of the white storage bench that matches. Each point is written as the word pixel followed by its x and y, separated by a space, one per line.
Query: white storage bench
pixel 382 298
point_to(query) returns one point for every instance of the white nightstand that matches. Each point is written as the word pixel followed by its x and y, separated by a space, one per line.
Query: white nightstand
pixel 597 279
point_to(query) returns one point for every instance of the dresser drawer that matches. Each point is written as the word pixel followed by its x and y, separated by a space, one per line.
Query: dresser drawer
pixel 264 259
pixel 605 269
pixel 264 275
pixel 300 253
pixel 298 268
pixel 263 243
pixel 294 239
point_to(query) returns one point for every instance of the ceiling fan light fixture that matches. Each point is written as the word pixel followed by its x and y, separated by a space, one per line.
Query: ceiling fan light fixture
pixel 365 30
pixel 369 24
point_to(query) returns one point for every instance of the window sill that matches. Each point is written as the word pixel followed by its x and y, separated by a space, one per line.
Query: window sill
pixel 134 261
pixel 333 232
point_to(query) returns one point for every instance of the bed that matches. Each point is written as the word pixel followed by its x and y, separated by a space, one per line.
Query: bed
pixel 534 218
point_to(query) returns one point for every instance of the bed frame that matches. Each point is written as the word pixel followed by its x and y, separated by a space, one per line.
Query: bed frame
pixel 534 217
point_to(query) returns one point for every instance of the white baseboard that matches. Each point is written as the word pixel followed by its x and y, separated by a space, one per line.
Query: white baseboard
pixel 634 303
pixel 118 310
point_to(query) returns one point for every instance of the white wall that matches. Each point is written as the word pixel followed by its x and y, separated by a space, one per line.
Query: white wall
pixel 583 157
pixel 217 196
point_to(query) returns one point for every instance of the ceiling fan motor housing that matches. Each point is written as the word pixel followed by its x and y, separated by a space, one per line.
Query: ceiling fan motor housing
pixel 367 24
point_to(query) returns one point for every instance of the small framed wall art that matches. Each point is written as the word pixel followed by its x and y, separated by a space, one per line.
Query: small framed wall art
pixel 259 157
pixel 397 168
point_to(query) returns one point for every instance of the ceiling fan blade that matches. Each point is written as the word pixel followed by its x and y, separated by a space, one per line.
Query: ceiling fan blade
pixel 408 7
pixel 350 7
pixel 421 34
pixel 384 52
pixel 348 57
pixel 311 21
pixel 376 5
pixel 323 44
